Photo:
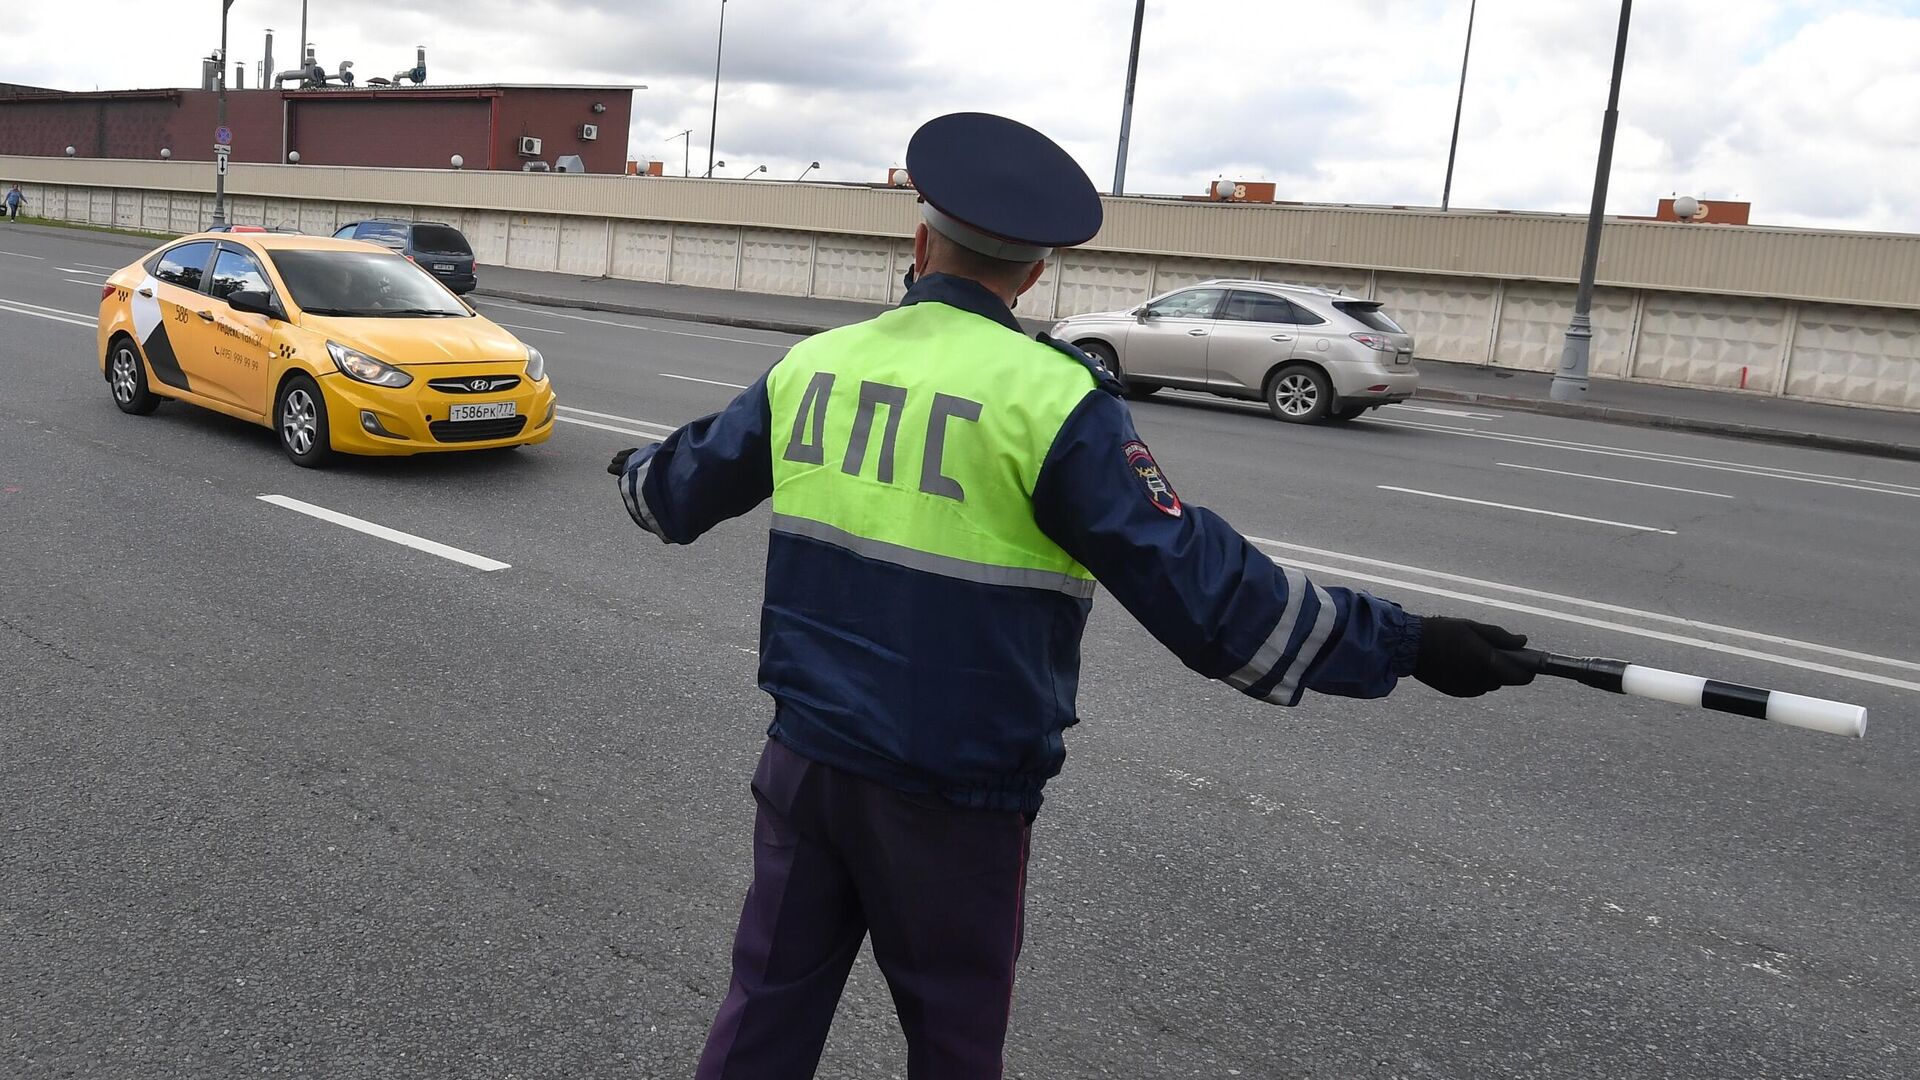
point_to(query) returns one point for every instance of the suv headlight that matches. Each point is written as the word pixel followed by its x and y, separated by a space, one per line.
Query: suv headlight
pixel 355 364
pixel 536 365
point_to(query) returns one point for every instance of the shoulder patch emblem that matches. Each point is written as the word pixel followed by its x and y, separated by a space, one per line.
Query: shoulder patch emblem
pixel 1159 492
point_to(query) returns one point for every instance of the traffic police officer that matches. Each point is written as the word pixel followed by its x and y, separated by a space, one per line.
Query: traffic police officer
pixel 946 491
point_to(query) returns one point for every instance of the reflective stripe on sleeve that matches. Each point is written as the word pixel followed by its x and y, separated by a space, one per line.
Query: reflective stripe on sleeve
pixel 1274 649
pixel 636 502
pixel 1288 690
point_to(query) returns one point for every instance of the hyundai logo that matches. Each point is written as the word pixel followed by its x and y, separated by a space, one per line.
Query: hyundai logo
pixel 480 386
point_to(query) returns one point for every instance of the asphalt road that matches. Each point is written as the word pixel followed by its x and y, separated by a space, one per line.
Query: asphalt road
pixel 281 798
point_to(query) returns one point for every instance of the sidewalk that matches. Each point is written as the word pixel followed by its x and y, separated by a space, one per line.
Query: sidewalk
pixel 1726 413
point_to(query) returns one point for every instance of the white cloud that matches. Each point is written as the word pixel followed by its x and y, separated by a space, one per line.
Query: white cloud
pixel 1808 108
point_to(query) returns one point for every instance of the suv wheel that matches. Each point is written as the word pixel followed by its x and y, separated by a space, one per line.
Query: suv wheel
pixel 1299 394
pixel 1344 413
pixel 1103 352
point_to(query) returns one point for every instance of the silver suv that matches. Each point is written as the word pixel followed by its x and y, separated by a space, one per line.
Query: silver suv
pixel 1311 355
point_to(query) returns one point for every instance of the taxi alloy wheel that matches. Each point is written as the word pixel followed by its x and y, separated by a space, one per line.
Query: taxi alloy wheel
pixel 300 418
pixel 127 376
pixel 1299 394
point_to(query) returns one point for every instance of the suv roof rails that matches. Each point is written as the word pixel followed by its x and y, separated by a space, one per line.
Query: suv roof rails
pixel 1286 286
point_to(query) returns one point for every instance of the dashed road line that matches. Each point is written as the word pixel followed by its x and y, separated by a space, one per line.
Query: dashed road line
pixel 404 539
pixel 1527 510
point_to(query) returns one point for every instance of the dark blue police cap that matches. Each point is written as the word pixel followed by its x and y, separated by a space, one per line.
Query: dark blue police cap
pixel 1001 188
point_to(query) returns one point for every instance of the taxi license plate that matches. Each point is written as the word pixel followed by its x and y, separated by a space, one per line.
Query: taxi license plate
pixel 493 410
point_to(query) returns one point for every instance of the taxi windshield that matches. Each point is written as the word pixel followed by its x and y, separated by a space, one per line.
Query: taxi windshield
pixel 364 284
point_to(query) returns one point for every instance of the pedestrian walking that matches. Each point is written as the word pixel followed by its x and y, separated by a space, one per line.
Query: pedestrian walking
pixel 14 198
pixel 946 492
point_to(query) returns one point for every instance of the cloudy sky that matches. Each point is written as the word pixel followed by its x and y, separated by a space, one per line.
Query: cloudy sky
pixel 1810 109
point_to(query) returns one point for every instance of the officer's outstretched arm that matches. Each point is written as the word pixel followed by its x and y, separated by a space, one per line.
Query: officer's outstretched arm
pixel 717 467
pixel 1198 586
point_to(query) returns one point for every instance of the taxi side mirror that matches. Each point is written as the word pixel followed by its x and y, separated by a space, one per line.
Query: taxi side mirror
pixel 255 302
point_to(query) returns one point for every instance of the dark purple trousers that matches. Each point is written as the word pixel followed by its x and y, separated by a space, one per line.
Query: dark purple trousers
pixel 836 857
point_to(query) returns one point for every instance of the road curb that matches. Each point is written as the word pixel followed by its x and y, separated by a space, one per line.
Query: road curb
pixel 743 322
pixel 1629 417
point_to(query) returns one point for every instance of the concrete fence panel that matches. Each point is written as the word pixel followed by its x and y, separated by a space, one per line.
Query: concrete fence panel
pixel 1729 342
pixel 1869 355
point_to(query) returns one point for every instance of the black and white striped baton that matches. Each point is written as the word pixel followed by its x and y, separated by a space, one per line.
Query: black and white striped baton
pixel 1620 677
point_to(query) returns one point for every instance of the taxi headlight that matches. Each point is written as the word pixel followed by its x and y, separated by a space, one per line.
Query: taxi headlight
pixel 536 365
pixel 358 365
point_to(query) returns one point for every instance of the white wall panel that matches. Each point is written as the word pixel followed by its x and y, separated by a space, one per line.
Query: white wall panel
pixel 320 218
pixel 1450 318
pixel 533 241
pixel 187 214
pixel 1868 356
pixel 640 251
pixel 100 206
pixel 704 255
pixel 1698 340
pixel 583 246
pixel 1038 301
pixel 1177 273
pixel 126 208
pixel 284 213
pixel 1331 278
pixel 246 210
pixel 852 268
pixel 1102 281
pixel 486 232
pixel 897 273
pixel 775 261
pixel 1533 327
pixel 156 212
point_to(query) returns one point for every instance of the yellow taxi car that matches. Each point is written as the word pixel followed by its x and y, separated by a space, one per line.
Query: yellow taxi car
pixel 339 346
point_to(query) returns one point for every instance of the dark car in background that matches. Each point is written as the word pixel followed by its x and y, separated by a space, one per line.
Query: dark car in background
pixel 438 248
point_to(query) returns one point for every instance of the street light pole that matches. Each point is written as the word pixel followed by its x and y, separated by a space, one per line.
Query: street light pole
pixel 1570 382
pixel 219 170
pixel 1126 104
pixel 686 151
pixel 1446 190
pixel 720 42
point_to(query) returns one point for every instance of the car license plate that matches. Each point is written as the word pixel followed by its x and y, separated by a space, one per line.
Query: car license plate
pixel 443 266
pixel 1403 358
pixel 492 410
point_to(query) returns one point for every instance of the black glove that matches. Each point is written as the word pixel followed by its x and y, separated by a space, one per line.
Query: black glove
pixel 618 466
pixel 1459 657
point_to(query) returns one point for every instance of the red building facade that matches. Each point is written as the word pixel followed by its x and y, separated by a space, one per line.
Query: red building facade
pixel 420 127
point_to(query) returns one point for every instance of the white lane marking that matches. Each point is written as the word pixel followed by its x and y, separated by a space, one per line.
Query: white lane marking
pixel 1604 624
pixel 1527 509
pixel 544 313
pixel 656 436
pixel 71 270
pixel 79 281
pixel 1616 609
pixel 1767 471
pixel 709 382
pixel 91 266
pixel 535 329
pixel 348 521
pixel 1611 479
pixel 24 255
pixel 1443 412
pixel 70 318
pixel 628 420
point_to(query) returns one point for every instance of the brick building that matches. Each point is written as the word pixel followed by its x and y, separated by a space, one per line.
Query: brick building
pixel 417 127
